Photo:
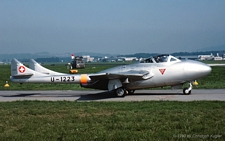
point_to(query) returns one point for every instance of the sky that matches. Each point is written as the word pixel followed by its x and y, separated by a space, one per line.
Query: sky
pixel 110 26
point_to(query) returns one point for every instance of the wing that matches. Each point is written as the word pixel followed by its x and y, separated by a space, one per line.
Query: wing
pixel 133 75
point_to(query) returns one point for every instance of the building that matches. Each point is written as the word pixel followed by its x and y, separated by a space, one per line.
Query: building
pixel 88 58
pixel 211 57
pixel 217 57
pixel 205 57
pixel 128 59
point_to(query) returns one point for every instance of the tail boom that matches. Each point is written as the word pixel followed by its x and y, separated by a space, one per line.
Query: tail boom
pixel 76 79
pixel 21 74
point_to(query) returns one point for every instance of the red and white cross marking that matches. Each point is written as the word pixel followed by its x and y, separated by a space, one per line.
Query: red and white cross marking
pixel 21 69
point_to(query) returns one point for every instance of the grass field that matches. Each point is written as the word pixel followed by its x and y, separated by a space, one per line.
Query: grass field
pixel 214 80
pixel 154 120
pixel 162 120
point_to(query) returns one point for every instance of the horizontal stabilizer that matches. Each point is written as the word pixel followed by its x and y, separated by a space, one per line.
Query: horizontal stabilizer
pixel 27 75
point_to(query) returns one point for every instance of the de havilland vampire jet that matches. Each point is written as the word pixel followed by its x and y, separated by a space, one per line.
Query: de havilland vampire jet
pixel 157 71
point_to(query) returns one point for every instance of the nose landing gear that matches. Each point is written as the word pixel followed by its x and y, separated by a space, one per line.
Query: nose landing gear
pixel 187 91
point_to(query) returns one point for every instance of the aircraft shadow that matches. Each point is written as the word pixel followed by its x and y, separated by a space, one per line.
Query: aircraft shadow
pixel 137 94
pixel 93 96
pixel 108 95
pixel 21 95
pixel 97 96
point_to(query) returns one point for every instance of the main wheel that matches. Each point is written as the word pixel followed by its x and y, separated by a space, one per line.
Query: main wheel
pixel 120 92
pixel 186 91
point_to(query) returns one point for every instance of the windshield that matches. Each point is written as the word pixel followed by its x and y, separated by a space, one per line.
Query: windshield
pixel 161 59
pixel 149 60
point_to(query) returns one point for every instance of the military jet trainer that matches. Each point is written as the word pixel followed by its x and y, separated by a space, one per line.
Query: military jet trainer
pixel 158 71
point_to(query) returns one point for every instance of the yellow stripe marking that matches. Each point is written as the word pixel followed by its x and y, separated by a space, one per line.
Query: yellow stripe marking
pixel 83 79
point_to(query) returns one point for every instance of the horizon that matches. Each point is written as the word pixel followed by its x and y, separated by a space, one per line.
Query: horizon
pixel 45 52
pixel 100 54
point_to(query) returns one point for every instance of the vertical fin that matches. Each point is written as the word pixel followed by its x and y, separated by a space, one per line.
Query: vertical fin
pixel 18 69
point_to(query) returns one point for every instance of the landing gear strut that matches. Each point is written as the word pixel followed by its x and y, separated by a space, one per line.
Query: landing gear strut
pixel 187 91
pixel 131 91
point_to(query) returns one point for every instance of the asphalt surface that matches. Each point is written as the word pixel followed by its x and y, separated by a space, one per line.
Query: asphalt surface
pixel 216 64
pixel 139 95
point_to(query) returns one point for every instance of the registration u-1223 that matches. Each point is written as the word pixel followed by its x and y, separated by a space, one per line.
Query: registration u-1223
pixel 158 71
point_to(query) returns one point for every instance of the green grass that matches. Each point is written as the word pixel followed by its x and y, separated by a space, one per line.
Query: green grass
pixel 216 79
pixel 162 120
pixel 214 62
pixel 212 81
pixel 155 120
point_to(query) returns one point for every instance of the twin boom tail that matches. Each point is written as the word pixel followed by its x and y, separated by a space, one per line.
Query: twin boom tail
pixel 22 74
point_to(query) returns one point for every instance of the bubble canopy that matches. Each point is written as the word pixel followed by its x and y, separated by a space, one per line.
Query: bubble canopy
pixel 163 58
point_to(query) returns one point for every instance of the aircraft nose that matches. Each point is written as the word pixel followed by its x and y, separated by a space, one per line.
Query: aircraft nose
pixel 197 69
pixel 204 69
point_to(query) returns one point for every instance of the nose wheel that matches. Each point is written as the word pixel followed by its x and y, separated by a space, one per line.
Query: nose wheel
pixel 187 91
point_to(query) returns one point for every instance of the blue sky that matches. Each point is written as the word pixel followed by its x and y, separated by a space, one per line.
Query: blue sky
pixel 110 26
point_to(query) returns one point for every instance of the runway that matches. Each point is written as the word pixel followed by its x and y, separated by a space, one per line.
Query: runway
pixel 139 95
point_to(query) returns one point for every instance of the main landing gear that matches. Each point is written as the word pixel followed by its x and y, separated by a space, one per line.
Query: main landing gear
pixel 121 92
pixel 187 91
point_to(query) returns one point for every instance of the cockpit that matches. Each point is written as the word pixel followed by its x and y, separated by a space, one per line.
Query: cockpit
pixel 161 59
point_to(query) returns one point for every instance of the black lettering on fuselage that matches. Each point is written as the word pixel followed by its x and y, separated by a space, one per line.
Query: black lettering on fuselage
pixel 63 79
pixel 52 79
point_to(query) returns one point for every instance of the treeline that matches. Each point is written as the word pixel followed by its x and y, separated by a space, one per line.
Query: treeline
pixel 43 58
pixel 48 60
pixel 198 53
pixel 139 55
pixel 146 55
pixel 54 59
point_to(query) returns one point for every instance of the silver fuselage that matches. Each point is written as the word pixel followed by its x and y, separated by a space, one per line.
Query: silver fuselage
pixel 158 71
pixel 174 73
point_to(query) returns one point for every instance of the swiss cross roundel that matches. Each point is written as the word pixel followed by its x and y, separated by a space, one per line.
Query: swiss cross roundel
pixel 21 69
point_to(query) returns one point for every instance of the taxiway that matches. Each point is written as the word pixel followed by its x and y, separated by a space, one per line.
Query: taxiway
pixel 140 95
